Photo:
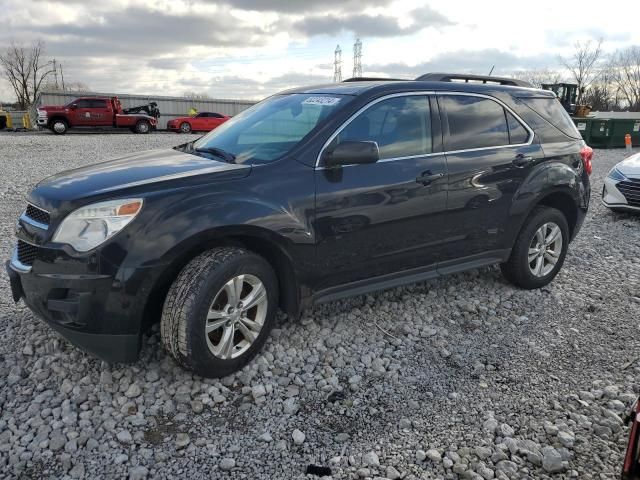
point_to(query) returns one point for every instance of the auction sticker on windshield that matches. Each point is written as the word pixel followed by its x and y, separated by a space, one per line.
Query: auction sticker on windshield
pixel 321 101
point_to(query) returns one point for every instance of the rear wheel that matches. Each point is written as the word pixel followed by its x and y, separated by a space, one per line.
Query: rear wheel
pixel 185 127
pixel 59 126
pixel 219 311
pixel 540 249
pixel 143 127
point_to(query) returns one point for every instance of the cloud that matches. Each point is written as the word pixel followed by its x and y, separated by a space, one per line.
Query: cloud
pixel 138 31
pixel 371 25
pixel 467 61
pixel 302 6
pixel 171 63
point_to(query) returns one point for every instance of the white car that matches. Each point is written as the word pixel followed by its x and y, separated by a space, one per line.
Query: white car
pixel 621 189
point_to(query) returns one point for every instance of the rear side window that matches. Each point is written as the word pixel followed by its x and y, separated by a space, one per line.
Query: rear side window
pixel 98 104
pixel 474 122
pixel 552 111
pixel 517 133
pixel 401 127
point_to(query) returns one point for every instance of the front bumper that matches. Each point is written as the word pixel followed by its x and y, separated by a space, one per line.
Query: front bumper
pixel 42 119
pixel 615 199
pixel 95 311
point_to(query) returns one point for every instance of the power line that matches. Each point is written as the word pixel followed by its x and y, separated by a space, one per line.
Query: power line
pixel 357 59
pixel 337 65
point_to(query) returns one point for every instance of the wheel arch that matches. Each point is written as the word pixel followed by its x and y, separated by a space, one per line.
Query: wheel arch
pixel 253 239
pixel 566 203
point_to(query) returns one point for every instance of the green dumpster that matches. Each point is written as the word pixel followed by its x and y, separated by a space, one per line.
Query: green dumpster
pixel 584 127
pixel 600 133
pixel 620 127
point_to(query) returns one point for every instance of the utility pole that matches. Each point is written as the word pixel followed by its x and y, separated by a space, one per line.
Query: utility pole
pixel 62 75
pixel 55 72
pixel 357 59
pixel 337 65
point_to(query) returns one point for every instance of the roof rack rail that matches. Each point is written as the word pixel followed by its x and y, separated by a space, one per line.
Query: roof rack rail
pixel 373 79
pixel 463 77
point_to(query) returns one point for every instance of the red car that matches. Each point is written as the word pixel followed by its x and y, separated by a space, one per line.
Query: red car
pixel 202 122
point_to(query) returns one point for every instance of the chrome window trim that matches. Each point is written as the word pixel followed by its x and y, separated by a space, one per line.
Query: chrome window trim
pixel 444 152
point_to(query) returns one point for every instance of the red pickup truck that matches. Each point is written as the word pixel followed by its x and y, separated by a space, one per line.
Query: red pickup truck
pixel 93 112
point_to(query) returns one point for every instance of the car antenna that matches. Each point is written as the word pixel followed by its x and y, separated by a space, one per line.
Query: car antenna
pixel 491 71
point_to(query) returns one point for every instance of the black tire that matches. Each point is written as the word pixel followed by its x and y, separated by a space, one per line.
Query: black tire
pixel 185 127
pixel 184 316
pixel 59 126
pixel 143 127
pixel 517 269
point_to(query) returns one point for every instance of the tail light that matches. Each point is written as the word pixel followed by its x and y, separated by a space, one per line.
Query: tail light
pixel 587 154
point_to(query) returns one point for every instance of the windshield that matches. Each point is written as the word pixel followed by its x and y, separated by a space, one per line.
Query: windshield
pixel 271 128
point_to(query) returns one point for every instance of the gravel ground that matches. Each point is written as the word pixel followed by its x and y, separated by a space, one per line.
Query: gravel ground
pixel 462 377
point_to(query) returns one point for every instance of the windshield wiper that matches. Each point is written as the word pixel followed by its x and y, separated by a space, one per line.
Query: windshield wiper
pixel 218 152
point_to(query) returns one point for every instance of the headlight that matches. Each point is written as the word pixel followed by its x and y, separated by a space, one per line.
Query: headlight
pixel 615 174
pixel 89 226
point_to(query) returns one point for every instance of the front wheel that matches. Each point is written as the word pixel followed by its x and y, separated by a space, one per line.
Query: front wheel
pixel 219 311
pixel 185 127
pixel 539 251
pixel 59 127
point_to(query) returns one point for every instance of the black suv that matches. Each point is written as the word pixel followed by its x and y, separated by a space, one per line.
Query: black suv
pixel 309 196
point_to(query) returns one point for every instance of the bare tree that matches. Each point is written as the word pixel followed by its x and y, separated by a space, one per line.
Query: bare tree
pixel 626 66
pixel 583 64
pixel 538 77
pixel 26 70
pixel 50 86
pixel 603 94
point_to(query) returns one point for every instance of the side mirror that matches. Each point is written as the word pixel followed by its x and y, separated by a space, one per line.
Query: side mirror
pixel 74 106
pixel 352 153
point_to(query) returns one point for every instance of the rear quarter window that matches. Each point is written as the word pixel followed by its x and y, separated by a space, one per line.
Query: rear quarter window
pixel 552 111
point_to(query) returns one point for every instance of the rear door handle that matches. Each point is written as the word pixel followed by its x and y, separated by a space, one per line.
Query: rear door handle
pixel 427 177
pixel 522 160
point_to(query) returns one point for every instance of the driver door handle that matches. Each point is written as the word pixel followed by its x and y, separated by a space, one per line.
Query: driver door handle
pixel 425 178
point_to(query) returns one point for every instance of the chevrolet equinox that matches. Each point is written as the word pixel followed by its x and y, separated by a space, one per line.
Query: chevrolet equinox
pixel 309 196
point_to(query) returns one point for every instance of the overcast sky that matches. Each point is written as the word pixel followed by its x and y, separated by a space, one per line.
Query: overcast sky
pixel 252 48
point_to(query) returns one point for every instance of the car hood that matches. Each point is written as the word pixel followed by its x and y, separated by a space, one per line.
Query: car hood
pixel 630 166
pixel 132 174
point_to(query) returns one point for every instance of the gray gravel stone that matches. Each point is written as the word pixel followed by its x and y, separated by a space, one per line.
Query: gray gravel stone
pixel 466 365
pixel 227 464
pixel 298 437
pixel 371 459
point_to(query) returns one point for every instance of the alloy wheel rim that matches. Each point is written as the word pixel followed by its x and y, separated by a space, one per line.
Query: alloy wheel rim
pixel 236 316
pixel 143 127
pixel 545 249
pixel 58 127
pixel 185 127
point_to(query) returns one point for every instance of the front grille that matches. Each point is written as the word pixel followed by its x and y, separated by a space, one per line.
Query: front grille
pixel 631 191
pixel 37 214
pixel 26 253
